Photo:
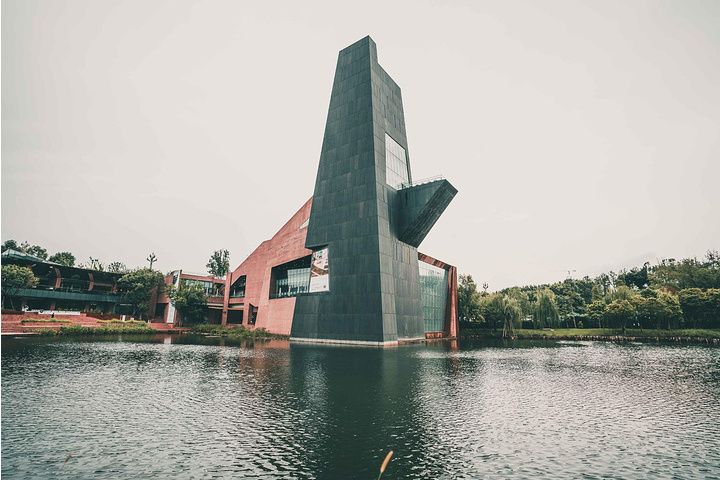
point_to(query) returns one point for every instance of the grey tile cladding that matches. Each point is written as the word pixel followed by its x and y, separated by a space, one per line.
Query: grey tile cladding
pixel 374 281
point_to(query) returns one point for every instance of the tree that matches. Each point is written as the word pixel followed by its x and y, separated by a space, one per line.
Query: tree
pixel 63 258
pixel 522 298
pixel 117 267
pixel 692 302
pixel 37 251
pixel 151 258
pixel 491 309
pixel 619 312
pixel 512 314
pixel 468 300
pixel 10 245
pixel 596 311
pixel 545 311
pixel 15 278
pixel 622 292
pixel 219 263
pixel 712 297
pixel 137 289
pixel 498 309
pixel 93 264
pixel 636 277
pixel 25 247
pixel 701 306
pixel 659 310
pixel 189 300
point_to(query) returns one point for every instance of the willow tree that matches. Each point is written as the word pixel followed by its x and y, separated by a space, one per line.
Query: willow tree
pixel 512 314
pixel 545 311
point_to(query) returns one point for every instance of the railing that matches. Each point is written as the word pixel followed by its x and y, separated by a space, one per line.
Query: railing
pixel 69 294
pixel 422 181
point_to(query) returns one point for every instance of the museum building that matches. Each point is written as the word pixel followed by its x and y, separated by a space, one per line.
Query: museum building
pixel 345 268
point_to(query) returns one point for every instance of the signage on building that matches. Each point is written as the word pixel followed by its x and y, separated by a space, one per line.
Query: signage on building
pixel 319 271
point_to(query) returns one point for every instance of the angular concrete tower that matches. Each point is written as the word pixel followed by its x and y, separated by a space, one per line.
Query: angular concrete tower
pixel 367 217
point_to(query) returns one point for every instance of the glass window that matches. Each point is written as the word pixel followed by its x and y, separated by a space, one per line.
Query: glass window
pixel 433 296
pixel 205 285
pixel 396 169
pixel 238 288
pixel 290 279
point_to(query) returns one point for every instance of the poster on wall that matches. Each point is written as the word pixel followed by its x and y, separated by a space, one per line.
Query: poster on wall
pixel 319 271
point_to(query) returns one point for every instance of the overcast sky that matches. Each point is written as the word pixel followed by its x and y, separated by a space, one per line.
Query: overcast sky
pixel 581 136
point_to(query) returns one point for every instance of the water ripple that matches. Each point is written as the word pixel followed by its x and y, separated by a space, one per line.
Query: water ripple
pixel 78 408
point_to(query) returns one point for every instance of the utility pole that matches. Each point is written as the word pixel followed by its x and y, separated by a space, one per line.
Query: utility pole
pixel 151 258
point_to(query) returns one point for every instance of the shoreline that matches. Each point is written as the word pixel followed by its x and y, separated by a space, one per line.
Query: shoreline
pixel 697 337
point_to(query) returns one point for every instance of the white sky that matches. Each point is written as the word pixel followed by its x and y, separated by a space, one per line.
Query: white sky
pixel 581 135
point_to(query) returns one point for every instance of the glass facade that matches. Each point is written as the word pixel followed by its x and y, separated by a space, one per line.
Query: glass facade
pixel 433 296
pixel 210 288
pixel 238 288
pixel 396 167
pixel 290 279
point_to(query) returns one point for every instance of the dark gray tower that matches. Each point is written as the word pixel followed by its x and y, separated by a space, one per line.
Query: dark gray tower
pixel 367 217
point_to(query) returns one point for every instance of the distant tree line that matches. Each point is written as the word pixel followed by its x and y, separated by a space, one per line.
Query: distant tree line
pixel 671 294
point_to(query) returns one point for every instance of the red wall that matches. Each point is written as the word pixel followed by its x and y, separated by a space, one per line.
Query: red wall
pixel 288 244
pixel 275 315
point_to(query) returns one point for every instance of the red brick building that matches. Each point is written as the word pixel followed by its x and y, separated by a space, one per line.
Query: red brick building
pixel 261 291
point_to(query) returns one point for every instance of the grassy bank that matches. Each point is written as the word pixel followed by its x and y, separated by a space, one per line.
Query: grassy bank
pixel 104 330
pixel 689 335
pixel 43 320
pixel 237 332
pixel 612 332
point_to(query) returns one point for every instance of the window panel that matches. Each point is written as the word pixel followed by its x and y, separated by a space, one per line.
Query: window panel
pixel 433 295
pixel 396 169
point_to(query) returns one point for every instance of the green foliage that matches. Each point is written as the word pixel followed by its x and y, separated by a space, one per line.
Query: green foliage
pixel 43 320
pixel 687 273
pixel 10 245
pixel 137 289
pixel 234 332
pixel 117 267
pixel 63 258
pixel 622 292
pixel 596 311
pixel 219 263
pixel 500 310
pixel 616 332
pixel 25 247
pixel 700 307
pixel 522 298
pixel 545 311
pixel 636 278
pixel 36 251
pixel 94 264
pixel 468 300
pixel 105 330
pixel 618 313
pixel 15 278
pixel 659 311
pixel 189 299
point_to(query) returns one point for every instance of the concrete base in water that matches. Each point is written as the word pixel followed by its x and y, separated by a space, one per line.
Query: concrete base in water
pixel 393 343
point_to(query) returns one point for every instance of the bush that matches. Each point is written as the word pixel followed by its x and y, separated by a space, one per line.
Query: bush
pixel 235 332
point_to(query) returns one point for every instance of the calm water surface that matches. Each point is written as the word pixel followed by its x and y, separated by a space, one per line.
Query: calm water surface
pixel 189 407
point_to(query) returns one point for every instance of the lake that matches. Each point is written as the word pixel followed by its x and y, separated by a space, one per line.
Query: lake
pixel 194 407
